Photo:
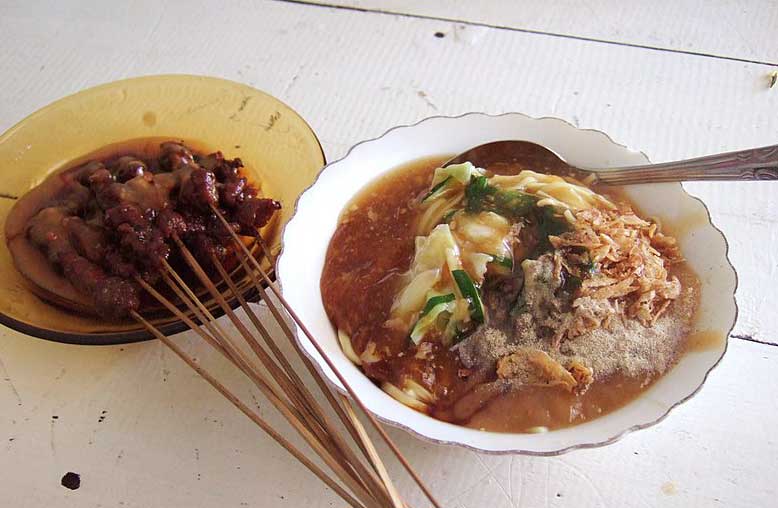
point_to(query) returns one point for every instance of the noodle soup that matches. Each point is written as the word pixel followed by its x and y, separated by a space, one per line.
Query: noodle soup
pixel 505 298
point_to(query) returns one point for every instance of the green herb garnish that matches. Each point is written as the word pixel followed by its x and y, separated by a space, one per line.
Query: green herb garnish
pixel 482 197
pixel 470 293
pixel 434 190
pixel 548 223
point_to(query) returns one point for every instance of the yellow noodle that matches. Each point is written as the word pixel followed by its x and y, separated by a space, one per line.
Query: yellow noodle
pixel 348 350
pixel 554 190
pixel 408 399
pixel 418 391
pixel 435 212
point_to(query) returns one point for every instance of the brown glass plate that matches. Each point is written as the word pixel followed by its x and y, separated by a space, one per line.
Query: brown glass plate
pixel 279 149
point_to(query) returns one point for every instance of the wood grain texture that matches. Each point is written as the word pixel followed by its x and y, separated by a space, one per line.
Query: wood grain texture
pixel 354 75
pixel 738 30
pixel 143 430
pixel 167 440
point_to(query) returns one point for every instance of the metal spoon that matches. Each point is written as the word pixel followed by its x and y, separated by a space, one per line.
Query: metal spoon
pixel 751 164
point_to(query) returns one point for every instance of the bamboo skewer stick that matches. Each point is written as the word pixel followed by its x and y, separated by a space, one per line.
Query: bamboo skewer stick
pixel 251 414
pixel 290 413
pixel 313 404
pixel 361 478
pixel 392 446
pixel 270 342
pixel 326 390
pixel 375 458
pixel 326 433
pixel 358 432
pixel 359 437
pixel 338 449
pixel 374 422
pixel 280 377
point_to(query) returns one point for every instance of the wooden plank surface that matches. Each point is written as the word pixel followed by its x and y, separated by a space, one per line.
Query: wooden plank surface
pixel 738 30
pixel 143 431
pixel 166 440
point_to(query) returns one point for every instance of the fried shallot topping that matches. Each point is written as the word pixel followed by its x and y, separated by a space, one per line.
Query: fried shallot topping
pixel 620 265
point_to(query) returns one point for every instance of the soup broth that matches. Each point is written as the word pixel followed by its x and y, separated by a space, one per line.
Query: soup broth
pixel 371 250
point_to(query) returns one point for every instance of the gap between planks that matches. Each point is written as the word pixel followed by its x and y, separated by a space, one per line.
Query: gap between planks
pixel 525 30
pixel 750 338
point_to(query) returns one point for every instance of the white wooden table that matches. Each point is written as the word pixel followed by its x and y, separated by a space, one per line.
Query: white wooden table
pixel 674 79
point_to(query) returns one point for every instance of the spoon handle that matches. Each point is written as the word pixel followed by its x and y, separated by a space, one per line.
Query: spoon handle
pixel 751 164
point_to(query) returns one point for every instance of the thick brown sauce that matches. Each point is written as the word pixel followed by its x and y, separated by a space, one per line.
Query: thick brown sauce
pixel 705 340
pixel 372 245
pixel 527 407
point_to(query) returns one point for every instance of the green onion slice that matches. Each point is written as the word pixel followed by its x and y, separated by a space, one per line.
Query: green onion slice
pixel 470 293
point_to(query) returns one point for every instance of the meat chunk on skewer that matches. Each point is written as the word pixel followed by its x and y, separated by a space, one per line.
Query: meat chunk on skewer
pixel 115 220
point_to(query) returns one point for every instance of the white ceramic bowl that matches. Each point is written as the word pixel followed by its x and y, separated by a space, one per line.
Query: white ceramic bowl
pixel 308 233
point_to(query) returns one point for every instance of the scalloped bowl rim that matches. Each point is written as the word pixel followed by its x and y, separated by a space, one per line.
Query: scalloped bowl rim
pixel 393 413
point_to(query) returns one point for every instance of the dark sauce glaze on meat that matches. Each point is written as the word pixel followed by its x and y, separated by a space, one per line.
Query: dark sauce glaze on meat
pixel 103 222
